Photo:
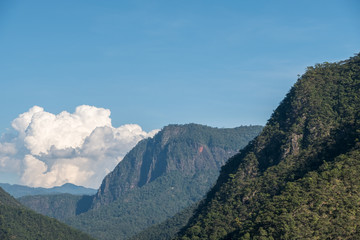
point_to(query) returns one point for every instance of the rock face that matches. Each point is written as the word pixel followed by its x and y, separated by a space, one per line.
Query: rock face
pixel 186 148
pixel 299 178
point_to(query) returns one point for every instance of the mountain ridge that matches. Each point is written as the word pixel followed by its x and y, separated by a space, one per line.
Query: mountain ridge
pixel 315 128
pixel 17 190
pixel 159 156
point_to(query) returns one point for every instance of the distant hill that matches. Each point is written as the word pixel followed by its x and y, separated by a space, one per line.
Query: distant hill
pixel 299 179
pixel 20 191
pixel 17 222
pixel 159 177
pixel 59 206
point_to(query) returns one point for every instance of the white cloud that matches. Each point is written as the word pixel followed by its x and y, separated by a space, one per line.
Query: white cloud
pixel 43 130
pixel 8 148
pixel 75 170
pixel 22 122
pixel 80 147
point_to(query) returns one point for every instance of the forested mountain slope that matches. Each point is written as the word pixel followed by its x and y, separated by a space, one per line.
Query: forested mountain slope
pixel 167 229
pixel 159 177
pixel 186 148
pixel 59 206
pixel 299 179
pixel 17 222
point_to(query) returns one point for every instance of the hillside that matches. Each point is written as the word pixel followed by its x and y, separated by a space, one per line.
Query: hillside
pixel 17 222
pixel 167 229
pixel 159 177
pixel 299 179
pixel 59 206
pixel 20 191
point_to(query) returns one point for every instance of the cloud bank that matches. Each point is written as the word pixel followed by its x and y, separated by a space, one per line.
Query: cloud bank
pixel 81 148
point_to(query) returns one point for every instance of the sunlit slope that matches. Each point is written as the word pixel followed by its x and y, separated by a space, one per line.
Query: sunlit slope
pixel 299 179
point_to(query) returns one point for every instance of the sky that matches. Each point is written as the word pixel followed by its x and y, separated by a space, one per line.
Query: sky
pixel 137 66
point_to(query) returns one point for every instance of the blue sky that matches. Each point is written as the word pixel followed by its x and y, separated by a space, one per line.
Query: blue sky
pixel 219 63
pixel 151 63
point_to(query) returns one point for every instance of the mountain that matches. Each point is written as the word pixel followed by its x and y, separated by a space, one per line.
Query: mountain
pixel 74 189
pixel 20 191
pixel 186 148
pixel 17 222
pixel 159 177
pixel 299 179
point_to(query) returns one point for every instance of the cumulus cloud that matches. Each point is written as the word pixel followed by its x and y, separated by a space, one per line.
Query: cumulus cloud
pixel 43 130
pixel 80 148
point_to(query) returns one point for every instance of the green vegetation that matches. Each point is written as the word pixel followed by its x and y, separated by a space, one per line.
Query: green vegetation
pixel 299 179
pixel 158 178
pixel 187 148
pixel 59 206
pixel 169 228
pixel 17 222
pixel 141 208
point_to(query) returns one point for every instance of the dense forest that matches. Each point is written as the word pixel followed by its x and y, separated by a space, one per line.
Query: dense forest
pixel 299 179
pixel 59 206
pixel 169 228
pixel 18 222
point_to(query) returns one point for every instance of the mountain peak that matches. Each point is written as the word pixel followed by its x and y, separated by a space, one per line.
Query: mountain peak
pixel 185 148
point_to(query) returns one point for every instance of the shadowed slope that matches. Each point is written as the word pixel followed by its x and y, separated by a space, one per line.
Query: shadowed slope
pixel 17 222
